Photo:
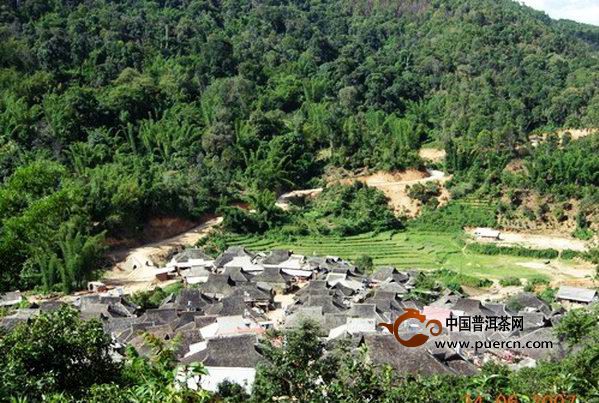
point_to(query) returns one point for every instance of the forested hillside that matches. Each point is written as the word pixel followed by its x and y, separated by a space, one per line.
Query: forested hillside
pixel 112 112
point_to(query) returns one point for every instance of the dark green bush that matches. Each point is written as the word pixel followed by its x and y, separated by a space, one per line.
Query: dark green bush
pixel 454 217
pixel 492 249
pixel 510 281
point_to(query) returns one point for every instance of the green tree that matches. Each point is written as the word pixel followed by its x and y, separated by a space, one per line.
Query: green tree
pixel 55 353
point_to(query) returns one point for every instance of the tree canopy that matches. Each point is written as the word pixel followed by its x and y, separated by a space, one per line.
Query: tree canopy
pixel 113 112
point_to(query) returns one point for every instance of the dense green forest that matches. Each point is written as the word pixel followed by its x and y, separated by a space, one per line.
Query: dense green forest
pixel 112 112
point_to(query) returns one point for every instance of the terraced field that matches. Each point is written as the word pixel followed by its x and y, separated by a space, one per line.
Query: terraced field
pixel 388 248
pixel 411 249
pixel 432 241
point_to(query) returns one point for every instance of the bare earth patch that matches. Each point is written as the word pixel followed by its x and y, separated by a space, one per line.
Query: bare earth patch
pixel 495 293
pixel 393 184
pixel 284 199
pixel 574 133
pixel 536 241
pixel 386 178
pixel 135 269
pixel 432 154
pixel 278 315
pixel 578 274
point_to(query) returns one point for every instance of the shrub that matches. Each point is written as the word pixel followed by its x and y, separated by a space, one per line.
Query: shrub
pixel 452 280
pixel 152 299
pixel 364 263
pixel 560 214
pixel 510 281
pixel 514 305
pixel 583 233
pixel 570 254
pixel 492 249
pixel 548 295
pixel 579 324
pixel 538 280
pixel 231 392
pixel 455 216
pixel 528 213
pixel 424 192
pixel 352 209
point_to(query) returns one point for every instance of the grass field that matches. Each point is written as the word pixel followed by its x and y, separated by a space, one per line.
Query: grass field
pixel 434 240
pixel 411 249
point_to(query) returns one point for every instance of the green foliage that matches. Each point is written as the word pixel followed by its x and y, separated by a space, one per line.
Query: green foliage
pixel 448 277
pixel 300 369
pixel 231 392
pixel 510 281
pixel 579 325
pixel 424 192
pixel 55 353
pixel 342 210
pixel 592 255
pixel 569 170
pixel 152 299
pixel 364 263
pixel 136 110
pixel 492 249
pixel 548 295
pixel 538 280
pixel 444 278
pixel 569 254
pixel 58 357
pixel 45 238
pixel 214 243
pixel 261 216
pixel 348 210
pixel 583 233
pixel 454 217
pixel 535 281
pixel 157 379
pixel 75 264
pixel 514 305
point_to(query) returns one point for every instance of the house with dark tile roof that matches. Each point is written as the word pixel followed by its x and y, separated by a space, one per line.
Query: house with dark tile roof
pixel 577 295
pixel 229 254
pixel 274 278
pixel 383 349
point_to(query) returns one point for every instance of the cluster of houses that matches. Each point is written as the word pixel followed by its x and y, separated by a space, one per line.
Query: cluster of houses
pixel 229 303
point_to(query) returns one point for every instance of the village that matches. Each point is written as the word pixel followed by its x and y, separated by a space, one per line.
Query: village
pixel 229 303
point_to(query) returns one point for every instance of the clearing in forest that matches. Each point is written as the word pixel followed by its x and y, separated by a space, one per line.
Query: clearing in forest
pixel 396 185
pixel 393 184
pixel 418 249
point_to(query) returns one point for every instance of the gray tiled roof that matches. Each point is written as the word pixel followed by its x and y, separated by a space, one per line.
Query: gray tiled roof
pixel 229 254
pixel 232 351
pixel 384 349
pixel 576 294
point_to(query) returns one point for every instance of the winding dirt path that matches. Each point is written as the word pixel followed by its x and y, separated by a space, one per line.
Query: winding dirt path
pixel 135 268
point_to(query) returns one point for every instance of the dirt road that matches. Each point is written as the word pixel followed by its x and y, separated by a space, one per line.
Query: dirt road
pixel 283 201
pixel 393 184
pixel 135 268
